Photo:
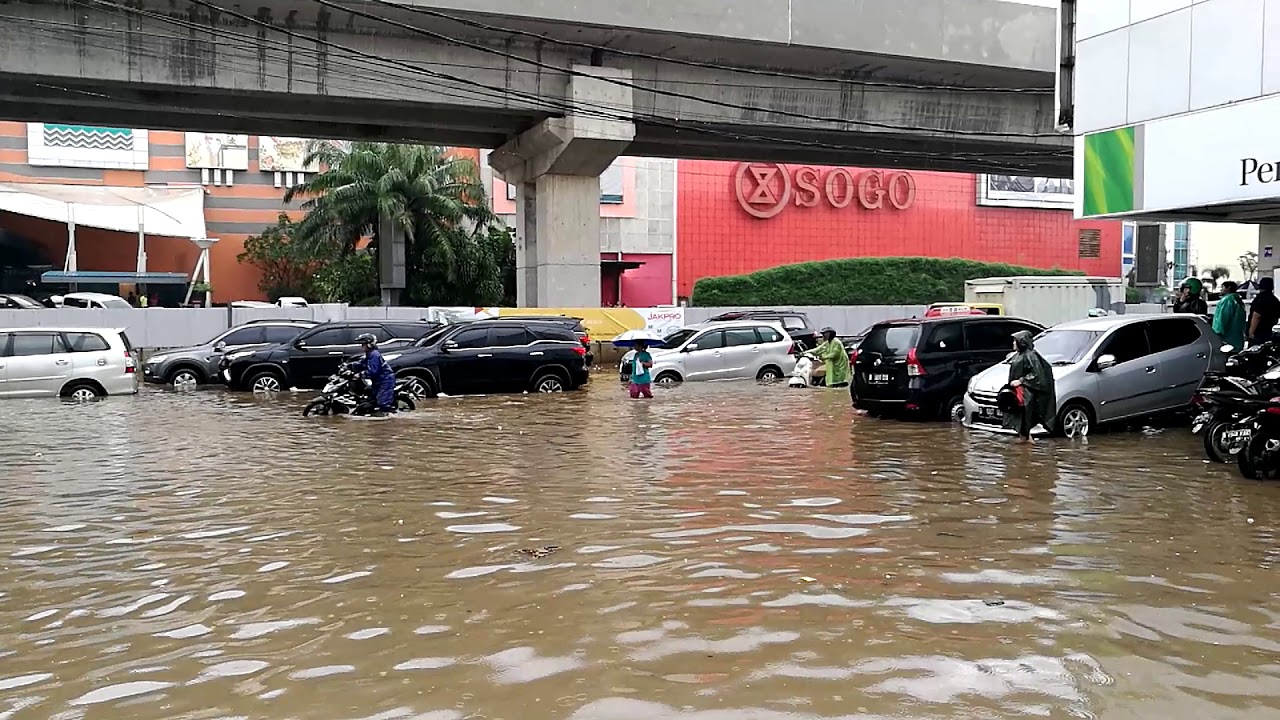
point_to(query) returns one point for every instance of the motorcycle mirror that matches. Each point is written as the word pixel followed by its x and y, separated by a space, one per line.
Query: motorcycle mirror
pixel 1228 348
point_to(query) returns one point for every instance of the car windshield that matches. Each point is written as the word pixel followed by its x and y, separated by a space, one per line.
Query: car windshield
pixel 434 336
pixel 891 340
pixel 676 339
pixel 23 301
pixel 115 303
pixel 1065 347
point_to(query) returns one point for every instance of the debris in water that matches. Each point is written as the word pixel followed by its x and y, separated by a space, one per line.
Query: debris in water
pixel 993 603
pixel 539 552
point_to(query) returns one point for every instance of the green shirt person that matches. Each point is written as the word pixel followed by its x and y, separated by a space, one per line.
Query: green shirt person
pixel 834 357
pixel 1230 318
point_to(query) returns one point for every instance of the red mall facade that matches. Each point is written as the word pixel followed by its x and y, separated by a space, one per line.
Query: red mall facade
pixel 735 218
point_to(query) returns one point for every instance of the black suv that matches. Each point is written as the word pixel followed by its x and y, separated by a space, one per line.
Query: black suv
pixel 573 323
pixel 795 323
pixel 493 356
pixel 309 359
pixel 922 367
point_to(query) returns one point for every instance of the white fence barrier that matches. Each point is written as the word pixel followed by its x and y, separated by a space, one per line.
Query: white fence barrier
pixel 179 327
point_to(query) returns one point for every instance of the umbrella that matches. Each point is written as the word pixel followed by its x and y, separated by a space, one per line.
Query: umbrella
pixel 631 337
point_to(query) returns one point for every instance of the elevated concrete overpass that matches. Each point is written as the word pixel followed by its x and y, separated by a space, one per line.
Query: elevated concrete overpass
pixel 561 87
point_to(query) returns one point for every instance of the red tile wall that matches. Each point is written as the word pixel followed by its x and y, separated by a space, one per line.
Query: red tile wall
pixel 716 236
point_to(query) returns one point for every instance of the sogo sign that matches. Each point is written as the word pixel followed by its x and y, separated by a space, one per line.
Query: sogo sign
pixel 765 189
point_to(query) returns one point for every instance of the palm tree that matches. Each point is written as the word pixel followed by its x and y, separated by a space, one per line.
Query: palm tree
pixel 435 198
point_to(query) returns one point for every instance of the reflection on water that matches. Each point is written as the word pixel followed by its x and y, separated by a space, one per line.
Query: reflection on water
pixel 724 552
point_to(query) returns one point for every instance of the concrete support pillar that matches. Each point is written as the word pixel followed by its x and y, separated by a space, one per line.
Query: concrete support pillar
pixel 1268 243
pixel 555 168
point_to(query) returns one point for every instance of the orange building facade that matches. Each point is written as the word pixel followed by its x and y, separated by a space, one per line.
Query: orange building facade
pixel 243 194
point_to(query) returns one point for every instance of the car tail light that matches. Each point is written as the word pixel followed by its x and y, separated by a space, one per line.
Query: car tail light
pixel 1273 410
pixel 586 341
pixel 914 368
pixel 791 350
pixel 581 350
pixel 129 365
pixel 853 356
pixel 1197 399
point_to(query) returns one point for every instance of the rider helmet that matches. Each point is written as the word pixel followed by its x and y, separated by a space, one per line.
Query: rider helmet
pixel 368 339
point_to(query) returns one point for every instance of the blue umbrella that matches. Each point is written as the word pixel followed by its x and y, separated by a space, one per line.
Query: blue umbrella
pixel 629 338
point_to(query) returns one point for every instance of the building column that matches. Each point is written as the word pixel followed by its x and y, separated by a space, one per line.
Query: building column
pixel 555 168
pixel 1268 237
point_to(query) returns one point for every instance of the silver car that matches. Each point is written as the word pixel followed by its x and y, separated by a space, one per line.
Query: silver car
pixel 74 363
pixel 192 366
pixel 746 349
pixel 1105 369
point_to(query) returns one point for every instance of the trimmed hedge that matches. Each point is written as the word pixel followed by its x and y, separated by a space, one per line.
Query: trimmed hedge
pixel 855 281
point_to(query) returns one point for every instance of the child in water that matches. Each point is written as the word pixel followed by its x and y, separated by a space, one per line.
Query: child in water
pixel 641 362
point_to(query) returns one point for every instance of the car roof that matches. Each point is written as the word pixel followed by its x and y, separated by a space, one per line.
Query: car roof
pixel 722 324
pixel 953 319
pixel 92 296
pixel 62 329
pixel 279 321
pixel 1102 324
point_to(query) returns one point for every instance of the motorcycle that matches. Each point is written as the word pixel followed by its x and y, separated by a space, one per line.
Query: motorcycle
pixel 802 374
pixel 1259 459
pixel 349 393
pixel 1226 422
pixel 1243 368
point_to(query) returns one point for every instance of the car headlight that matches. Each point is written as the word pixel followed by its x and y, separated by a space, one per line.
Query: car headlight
pixel 157 359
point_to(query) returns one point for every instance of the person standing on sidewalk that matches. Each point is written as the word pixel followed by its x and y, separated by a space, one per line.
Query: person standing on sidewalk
pixel 1229 318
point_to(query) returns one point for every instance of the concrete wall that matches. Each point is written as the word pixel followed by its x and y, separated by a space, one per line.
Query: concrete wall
pixel 846 319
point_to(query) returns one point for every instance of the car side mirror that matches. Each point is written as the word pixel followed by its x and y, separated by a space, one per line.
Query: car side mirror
pixel 1106 361
pixel 299 344
pixel 222 345
pixel 690 347
pixel 449 345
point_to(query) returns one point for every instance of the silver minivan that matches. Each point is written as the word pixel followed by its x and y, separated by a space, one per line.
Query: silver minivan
pixel 74 363
pixel 1105 369
pixel 743 349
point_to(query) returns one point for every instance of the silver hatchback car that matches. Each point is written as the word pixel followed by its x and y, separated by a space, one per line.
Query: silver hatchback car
pixel 743 349
pixel 1105 369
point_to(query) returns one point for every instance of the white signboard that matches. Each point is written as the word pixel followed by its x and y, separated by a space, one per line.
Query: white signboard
pixel 217 151
pixel 1216 157
pixel 1025 191
pixel 662 321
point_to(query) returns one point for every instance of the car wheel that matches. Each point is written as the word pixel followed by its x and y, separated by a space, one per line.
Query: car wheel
pixel 418 386
pixel 549 383
pixel 265 381
pixel 667 378
pixel 82 392
pixel 953 409
pixel 769 374
pixel 1075 421
pixel 184 379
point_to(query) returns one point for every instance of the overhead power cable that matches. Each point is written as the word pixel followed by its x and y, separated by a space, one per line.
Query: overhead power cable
pixel 656 91
pixel 504 93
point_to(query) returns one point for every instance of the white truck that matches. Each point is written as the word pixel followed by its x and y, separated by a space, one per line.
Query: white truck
pixel 1048 299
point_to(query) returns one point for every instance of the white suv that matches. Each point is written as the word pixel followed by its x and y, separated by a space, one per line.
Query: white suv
pixel 75 363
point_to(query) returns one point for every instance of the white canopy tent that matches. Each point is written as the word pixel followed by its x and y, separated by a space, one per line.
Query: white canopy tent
pixel 168 211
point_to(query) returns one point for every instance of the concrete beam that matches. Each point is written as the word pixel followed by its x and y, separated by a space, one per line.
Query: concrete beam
pixel 322 73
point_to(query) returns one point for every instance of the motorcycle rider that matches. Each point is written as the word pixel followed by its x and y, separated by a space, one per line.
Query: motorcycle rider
pixel 1189 298
pixel 378 372
pixel 835 360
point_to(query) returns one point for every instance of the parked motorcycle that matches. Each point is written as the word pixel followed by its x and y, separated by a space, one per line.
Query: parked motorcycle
pixel 1259 459
pixel 1243 368
pixel 1226 421
pixel 802 374
pixel 349 392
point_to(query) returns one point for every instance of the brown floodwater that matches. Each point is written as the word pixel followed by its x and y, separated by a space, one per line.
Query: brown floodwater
pixel 723 552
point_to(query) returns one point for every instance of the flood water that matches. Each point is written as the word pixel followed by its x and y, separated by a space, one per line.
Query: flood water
pixel 724 552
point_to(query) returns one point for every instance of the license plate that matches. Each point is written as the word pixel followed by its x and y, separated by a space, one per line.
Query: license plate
pixel 878 378
pixel 989 413
pixel 1236 434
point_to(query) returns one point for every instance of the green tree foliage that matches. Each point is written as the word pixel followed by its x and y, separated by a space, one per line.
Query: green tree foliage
pixel 453 254
pixel 287 269
pixel 854 281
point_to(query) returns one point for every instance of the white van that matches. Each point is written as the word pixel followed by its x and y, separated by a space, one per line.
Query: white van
pixel 94 300
pixel 75 363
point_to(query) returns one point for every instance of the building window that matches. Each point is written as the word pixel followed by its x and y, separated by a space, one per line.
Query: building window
pixel 1127 253
pixel 1090 244
pixel 1180 252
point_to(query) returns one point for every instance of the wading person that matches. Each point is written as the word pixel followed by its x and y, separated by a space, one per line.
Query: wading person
pixel 1031 376
pixel 641 364
pixel 835 360
pixel 1229 317
pixel 378 372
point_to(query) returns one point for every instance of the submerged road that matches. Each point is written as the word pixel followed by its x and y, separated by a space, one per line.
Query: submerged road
pixel 724 552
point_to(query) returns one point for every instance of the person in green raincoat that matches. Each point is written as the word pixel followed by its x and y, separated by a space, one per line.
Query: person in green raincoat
pixel 1031 372
pixel 835 359
pixel 1229 318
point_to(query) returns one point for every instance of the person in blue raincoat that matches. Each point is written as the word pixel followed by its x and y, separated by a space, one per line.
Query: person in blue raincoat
pixel 378 372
